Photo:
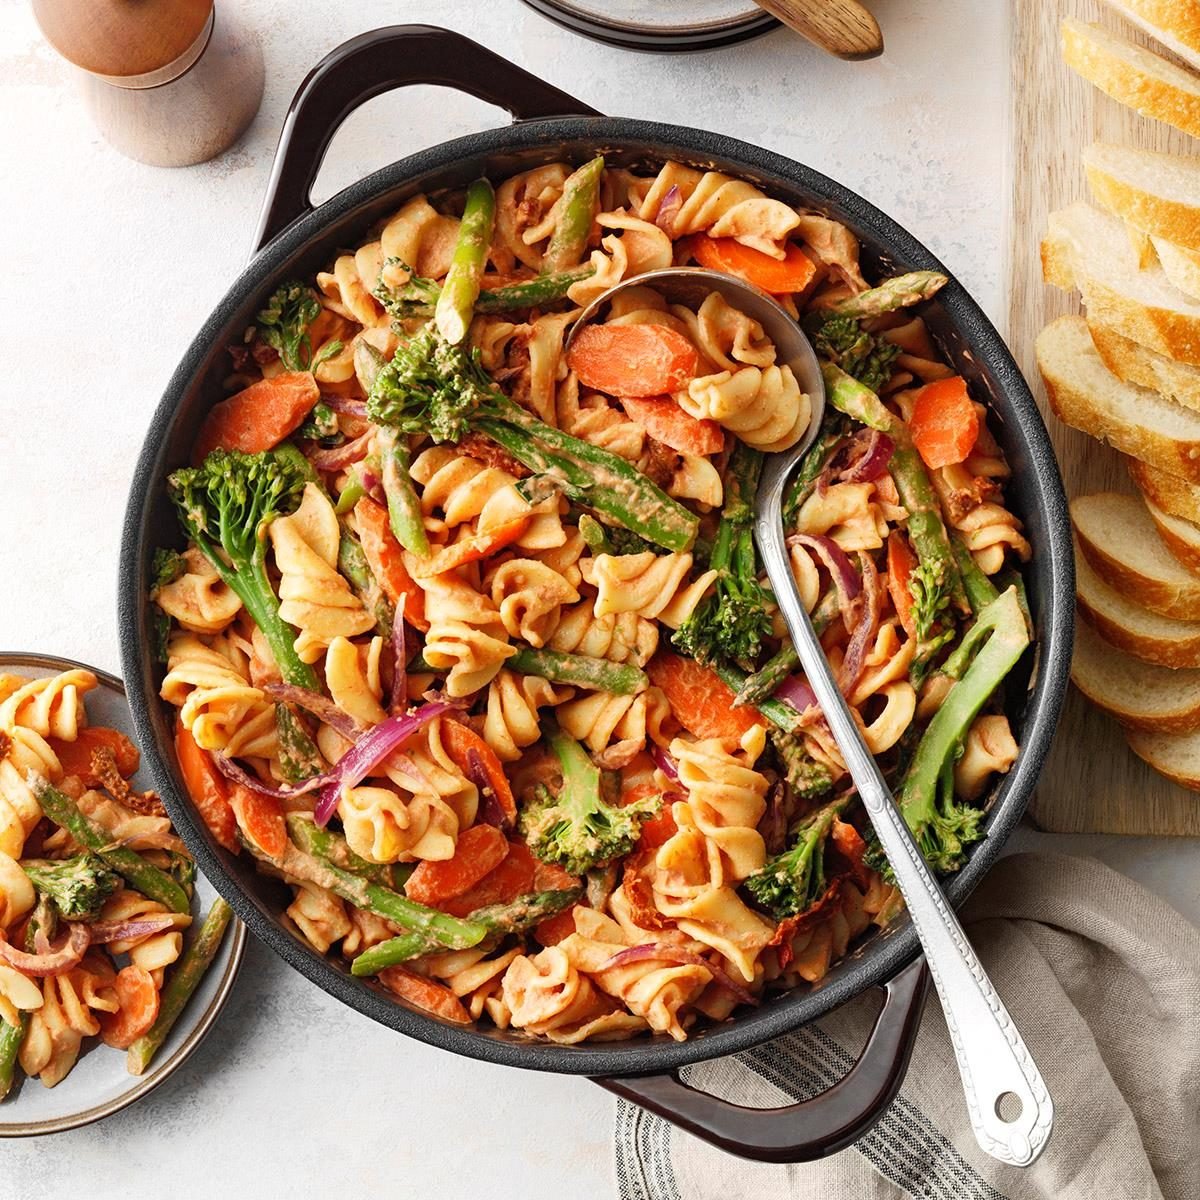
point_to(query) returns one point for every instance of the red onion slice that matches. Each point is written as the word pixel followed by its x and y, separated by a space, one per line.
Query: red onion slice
pixel 234 771
pixel 369 751
pixel 797 691
pixel 664 762
pixel 490 810
pixel 321 707
pixel 399 699
pixel 864 631
pixel 346 406
pixel 835 561
pixel 342 456
pixel 135 927
pixel 668 210
pixel 68 952
pixel 873 452
pixel 663 952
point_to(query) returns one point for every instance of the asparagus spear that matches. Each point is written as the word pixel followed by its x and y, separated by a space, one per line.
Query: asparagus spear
pixel 533 293
pixel 855 399
pixel 450 932
pixel 352 563
pixel 461 288
pixel 412 943
pixel 137 872
pixel 898 292
pixel 404 509
pixel 779 712
pixel 10 1043
pixel 577 211
pixel 185 978
pixel 979 588
pixel 622 679
pixel 334 849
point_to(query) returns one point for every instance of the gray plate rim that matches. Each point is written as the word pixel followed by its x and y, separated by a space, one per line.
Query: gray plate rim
pixel 145 1084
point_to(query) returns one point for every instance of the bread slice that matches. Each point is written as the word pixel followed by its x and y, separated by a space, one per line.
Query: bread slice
pixel 1121 543
pixel 1138 694
pixel 1175 755
pixel 1173 495
pixel 1180 265
pixel 1135 363
pixel 1133 75
pixel 1132 628
pixel 1088 249
pixel 1086 395
pixel 1174 23
pixel 1181 538
pixel 1157 192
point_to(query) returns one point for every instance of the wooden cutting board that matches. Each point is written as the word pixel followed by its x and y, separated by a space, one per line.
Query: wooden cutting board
pixel 1092 783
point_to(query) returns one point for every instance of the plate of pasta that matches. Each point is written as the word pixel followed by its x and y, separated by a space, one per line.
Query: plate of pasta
pixel 443 622
pixel 109 940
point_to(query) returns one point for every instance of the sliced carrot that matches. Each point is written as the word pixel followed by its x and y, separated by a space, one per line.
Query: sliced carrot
pixel 853 848
pixel 701 702
pixel 76 756
pixel 424 993
pixel 666 422
pixel 471 755
pixel 550 877
pixel 469 550
pixel 512 878
pixel 553 929
pixel 258 417
pixel 660 827
pixel 779 276
pixel 944 423
pixel 900 564
pixel 207 789
pixel 633 360
pixel 260 818
pixel 137 994
pixel 479 850
pixel 385 557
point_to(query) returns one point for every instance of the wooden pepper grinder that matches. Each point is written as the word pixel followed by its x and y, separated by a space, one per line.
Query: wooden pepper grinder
pixel 168 82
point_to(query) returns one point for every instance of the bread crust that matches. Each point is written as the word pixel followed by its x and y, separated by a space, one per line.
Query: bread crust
pixel 1169 492
pixel 1135 363
pixel 1173 755
pixel 1175 220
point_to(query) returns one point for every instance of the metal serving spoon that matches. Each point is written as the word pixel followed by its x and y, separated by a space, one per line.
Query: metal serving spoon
pixel 996 1067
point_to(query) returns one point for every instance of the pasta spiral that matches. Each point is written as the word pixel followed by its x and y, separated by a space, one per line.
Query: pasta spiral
pixel 198 599
pixel 466 637
pixel 651 585
pixel 383 826
pixel 50 707
pixel 529 596
pixel 313 596
pixel 511 722
pixel 352 676
pixel 620 637
pixel 763 406
pixel 26 752
pixel 599 718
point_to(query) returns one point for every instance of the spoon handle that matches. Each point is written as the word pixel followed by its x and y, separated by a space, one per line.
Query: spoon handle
pixel 992 1057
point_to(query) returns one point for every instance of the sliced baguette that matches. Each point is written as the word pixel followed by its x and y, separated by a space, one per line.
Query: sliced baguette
pixel 1181 538
pixel 1135 363
pixel 1088 249
pixel 1086 395
pixel 1120 542
pixel 1173 495
pixel 1136 630
pixel 1175 755
pixel 1133 75
pixel 1180 265
pixel 1159 193
pixel 1174 23
pixel 1138 694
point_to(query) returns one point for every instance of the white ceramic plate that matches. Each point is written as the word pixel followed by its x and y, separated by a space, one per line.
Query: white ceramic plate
pixel 660 25
pixel 99 1085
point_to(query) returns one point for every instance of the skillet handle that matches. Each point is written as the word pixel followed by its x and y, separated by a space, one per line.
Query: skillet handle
pixel 813 1128
pixel 376 62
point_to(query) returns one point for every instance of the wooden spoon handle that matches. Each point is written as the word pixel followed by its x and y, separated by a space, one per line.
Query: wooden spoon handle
pixel 843 27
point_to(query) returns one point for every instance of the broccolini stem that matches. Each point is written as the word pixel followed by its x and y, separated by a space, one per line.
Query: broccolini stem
pixel 525 911
pixel 351 494
pixel 902 291
pixel 779 712
pixel 136 871
pixel 183 981
pixel 404 509
pixel 577 210
pixel 461 287
pixel 352 563
pixel 762 684
pixel 580 670
pixel 979 588
pixel 404 947
pixel 533 293
pixel 334 849
pixel 10 1042
pixel 855 399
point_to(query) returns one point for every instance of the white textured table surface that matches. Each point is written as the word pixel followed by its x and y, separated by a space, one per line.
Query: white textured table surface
pixel 109 269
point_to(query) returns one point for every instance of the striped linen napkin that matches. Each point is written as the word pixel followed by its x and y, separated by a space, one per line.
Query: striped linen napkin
pixel 1102 978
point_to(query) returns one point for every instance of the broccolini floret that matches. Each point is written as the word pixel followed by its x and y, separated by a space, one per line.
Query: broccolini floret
pixel 77 886
pixel 792 882
pixel 283 324
pixel 732 622
pixel 225 506
pixel 166 567
pixel 843 341
pixel 436 388
pixel 577 829
pixel 808 779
